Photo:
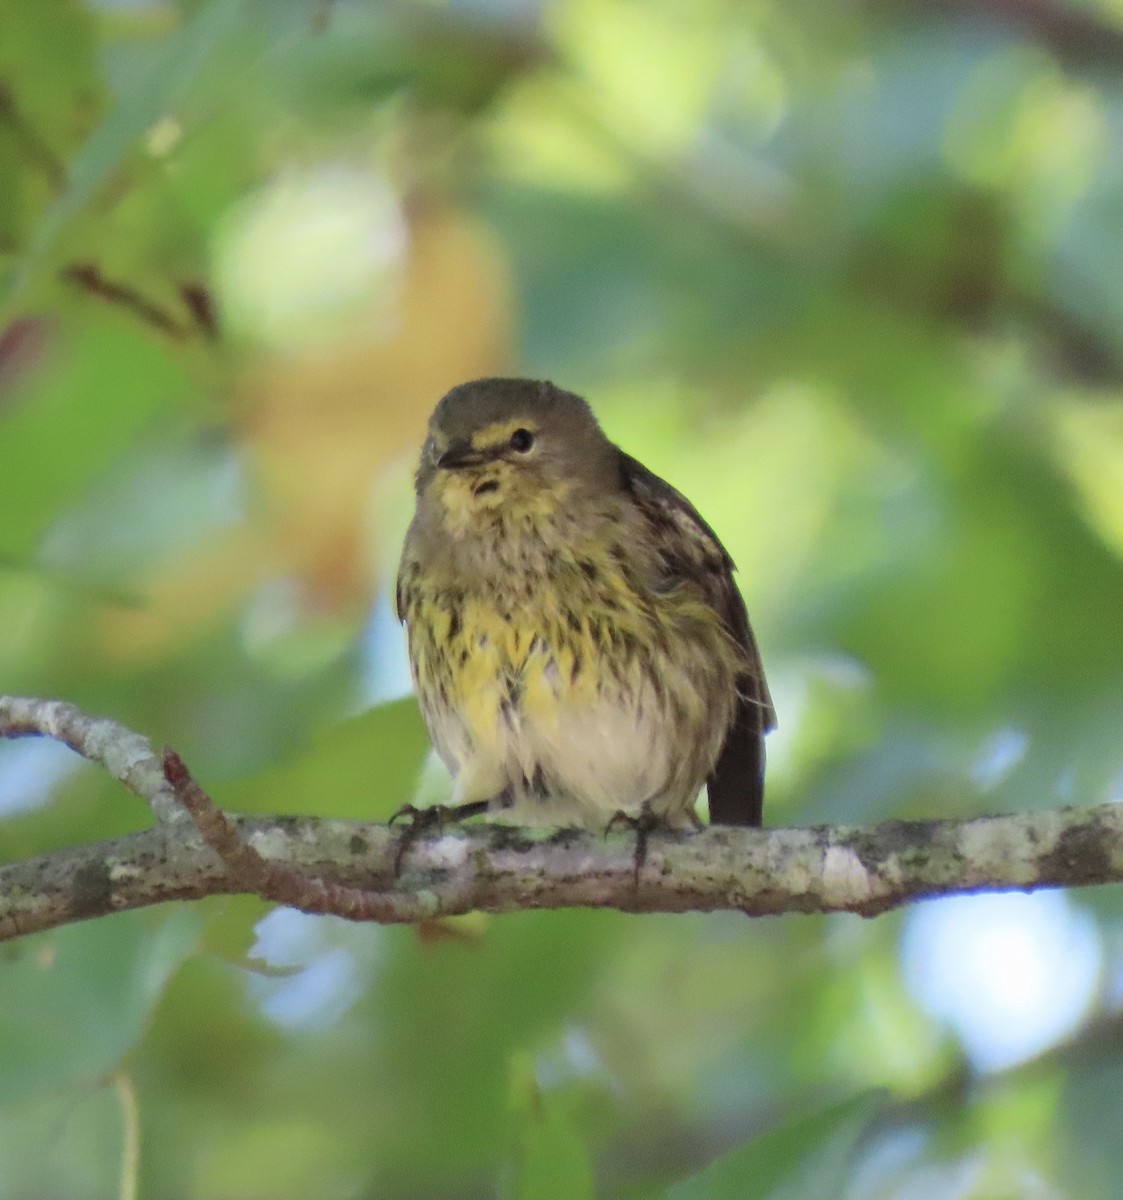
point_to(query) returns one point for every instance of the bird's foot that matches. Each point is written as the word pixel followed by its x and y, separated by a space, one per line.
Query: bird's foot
pixel 645 823
pixel 425 820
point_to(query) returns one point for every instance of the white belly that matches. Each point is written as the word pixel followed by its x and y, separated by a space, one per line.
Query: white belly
pixel 576 763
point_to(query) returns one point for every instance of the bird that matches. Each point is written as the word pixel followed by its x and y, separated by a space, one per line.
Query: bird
pixel 579 648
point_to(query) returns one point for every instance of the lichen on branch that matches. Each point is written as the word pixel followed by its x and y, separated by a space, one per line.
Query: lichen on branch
pixel 352 868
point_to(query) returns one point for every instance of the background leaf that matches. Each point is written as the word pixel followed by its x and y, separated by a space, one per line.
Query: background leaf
pixel 76 1000
pixel 810 1158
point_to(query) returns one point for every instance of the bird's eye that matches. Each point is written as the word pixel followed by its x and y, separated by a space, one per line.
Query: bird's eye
pixel 522 440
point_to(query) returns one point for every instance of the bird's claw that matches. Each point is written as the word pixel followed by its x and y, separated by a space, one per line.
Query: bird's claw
pixel 425 820
pixel 420 821
pixel 434 814
pixel 644 823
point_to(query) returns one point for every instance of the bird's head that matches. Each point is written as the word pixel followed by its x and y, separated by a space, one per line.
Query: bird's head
pixel 520 446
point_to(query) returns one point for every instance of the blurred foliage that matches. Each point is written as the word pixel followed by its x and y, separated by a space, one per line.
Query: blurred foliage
pixel 850 275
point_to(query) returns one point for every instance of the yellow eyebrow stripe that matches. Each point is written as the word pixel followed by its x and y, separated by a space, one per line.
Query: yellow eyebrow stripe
pixel 499 433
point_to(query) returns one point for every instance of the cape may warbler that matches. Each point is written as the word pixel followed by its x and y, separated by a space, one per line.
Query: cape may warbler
pixel 579 647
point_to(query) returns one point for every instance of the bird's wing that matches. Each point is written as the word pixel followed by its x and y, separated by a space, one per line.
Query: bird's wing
pixel 693 551
pixel 399 596
pixel 407 570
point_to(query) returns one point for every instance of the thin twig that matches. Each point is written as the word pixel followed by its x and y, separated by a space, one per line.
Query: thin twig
pixel 89 278
pixel 127 756
pixel 29 140
pixel 242 860
pixel 250 872
pixel 200 304
pixel 130 1136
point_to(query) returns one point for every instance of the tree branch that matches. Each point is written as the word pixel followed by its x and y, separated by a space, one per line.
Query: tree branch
pixel 348 867
pixel 127 756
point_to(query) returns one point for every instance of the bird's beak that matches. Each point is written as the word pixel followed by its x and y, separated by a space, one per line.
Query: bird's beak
pixel 459 455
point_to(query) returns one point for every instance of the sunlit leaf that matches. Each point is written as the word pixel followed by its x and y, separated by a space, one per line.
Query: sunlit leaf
pixel 553 1162
pixel 183 58
pixel 73 418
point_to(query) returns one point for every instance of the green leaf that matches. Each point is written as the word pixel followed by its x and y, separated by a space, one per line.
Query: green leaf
pixel 476 1000
pixel 807 1159
pixel 363 768
pixel 77 999
pixel 551 1161
pixel 162 88
pixel 48 58
pixel 73 419
pixel 554 1163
